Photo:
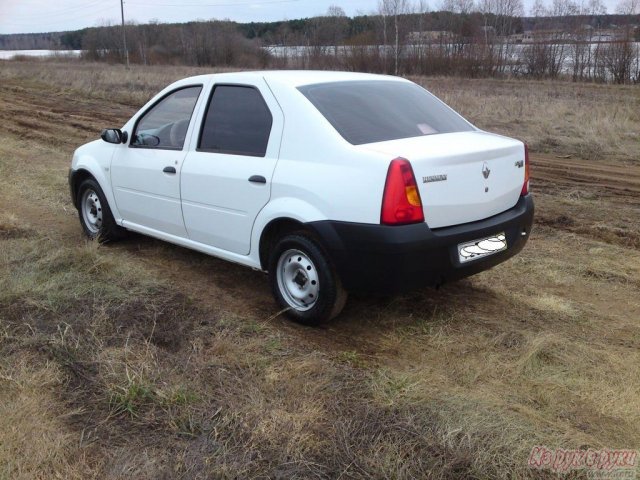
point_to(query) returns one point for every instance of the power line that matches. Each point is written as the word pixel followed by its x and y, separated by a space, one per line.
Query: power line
pixel 23 22
pixel 58 22
pixel 57 13
pixel 268 2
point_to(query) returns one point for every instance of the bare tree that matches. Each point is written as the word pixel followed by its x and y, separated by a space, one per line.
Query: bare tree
pixel 337 26
pixel 619 58
pixel 628 7
pixel 537 55
pixel 499 19
pixel 596 7
pixel 583 48
pixel 538 9
pixel 457 6
pixel 419 45
pixel 394 9
pixel 504 10
pixel 563 8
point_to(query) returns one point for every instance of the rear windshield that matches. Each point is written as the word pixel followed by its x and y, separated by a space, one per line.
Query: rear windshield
pixel 376 111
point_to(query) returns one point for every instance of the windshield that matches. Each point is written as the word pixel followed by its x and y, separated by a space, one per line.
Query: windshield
pixel 376 111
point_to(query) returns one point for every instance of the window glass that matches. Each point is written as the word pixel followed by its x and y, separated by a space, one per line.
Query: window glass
pixel 166 124
pixel 376 111
pixel 237 122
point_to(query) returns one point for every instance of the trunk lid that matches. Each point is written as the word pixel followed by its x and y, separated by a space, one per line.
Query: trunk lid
pixel 484 174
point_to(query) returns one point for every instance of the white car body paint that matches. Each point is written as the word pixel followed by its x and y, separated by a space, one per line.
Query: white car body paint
pixel 466 196
pixel 219 204
pixel 312 173
pixel 95 158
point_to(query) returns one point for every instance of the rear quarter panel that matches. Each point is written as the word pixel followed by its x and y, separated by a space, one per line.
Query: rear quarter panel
pixel 319 168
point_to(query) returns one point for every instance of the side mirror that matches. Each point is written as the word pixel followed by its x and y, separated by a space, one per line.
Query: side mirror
pixel 112 135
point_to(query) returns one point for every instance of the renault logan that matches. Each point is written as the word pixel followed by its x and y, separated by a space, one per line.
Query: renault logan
pixel 331 182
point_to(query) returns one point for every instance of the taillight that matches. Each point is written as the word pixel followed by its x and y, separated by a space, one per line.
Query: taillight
pixel 401 202
pixel 525 187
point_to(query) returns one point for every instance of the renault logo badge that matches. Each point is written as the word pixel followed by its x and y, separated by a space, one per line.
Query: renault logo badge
pixel 485 170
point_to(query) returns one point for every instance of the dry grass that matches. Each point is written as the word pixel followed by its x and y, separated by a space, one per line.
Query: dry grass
pixel 564 118
pixel 145 360
pixel 587 121
pixel 109 82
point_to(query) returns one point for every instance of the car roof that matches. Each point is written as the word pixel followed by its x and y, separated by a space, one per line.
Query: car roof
pixel 293 78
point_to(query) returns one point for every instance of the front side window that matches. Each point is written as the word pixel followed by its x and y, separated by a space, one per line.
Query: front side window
pixel 237 122
pixel 165 124
pixel 377 111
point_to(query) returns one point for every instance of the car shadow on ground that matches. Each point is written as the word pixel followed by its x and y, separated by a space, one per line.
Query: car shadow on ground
pixel 223 285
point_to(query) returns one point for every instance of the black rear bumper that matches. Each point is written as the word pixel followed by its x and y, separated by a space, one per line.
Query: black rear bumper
pixel 390 259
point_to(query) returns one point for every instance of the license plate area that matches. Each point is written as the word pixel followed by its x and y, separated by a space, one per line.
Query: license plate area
pixel 481 248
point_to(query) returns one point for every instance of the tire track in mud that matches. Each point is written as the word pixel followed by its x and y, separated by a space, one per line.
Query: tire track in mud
pixel 614 187
pixel 62 119
pixel 618 180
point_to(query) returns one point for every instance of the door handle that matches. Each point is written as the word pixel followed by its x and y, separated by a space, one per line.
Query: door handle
pixel 169 170
pixel 257 179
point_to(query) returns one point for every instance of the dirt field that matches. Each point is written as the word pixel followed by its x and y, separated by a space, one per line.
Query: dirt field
pixel 145 360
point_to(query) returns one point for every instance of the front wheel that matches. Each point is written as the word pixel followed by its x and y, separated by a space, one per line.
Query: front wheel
pixel 304 282
pixel 95 215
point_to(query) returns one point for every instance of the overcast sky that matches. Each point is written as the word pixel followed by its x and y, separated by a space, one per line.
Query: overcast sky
pixel 18 16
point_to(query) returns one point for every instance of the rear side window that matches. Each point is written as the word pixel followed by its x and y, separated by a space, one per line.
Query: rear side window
pixel 237 121
pixel 377 111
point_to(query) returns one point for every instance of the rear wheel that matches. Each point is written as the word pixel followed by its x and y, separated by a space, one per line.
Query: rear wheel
pixel 304 282
pixel 95 215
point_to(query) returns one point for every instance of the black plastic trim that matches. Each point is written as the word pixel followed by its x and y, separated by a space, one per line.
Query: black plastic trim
pixel 391 259
pixel 257 179
pixel 175 149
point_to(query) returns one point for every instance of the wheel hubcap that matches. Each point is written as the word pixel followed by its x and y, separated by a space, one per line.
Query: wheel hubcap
pixel 298 280
pixel 91 211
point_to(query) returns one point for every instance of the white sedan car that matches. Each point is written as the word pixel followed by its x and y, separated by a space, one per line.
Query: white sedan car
pixel 331 182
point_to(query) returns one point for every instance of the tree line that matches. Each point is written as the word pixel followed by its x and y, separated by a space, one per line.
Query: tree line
pixel 463 37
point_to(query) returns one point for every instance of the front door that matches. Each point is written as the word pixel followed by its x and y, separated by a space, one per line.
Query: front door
pixel 226 180
pixel 145 175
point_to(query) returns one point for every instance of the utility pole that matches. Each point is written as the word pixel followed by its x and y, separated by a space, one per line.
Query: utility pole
pixel 124 35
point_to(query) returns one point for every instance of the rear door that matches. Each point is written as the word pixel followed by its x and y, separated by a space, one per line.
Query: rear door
pixel 226 181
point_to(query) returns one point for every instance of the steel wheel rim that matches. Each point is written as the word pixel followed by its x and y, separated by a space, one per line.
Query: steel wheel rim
pixel 298 280
pixel 91 211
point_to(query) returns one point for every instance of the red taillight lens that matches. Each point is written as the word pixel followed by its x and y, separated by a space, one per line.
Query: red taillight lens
pixel 525 187
pixel 401 202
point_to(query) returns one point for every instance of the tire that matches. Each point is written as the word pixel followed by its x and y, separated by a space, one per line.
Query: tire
pixel 95 215
pixel 303 280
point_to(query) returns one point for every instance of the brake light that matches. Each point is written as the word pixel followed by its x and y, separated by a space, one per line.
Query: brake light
pixel 401 202
pixel 525 187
